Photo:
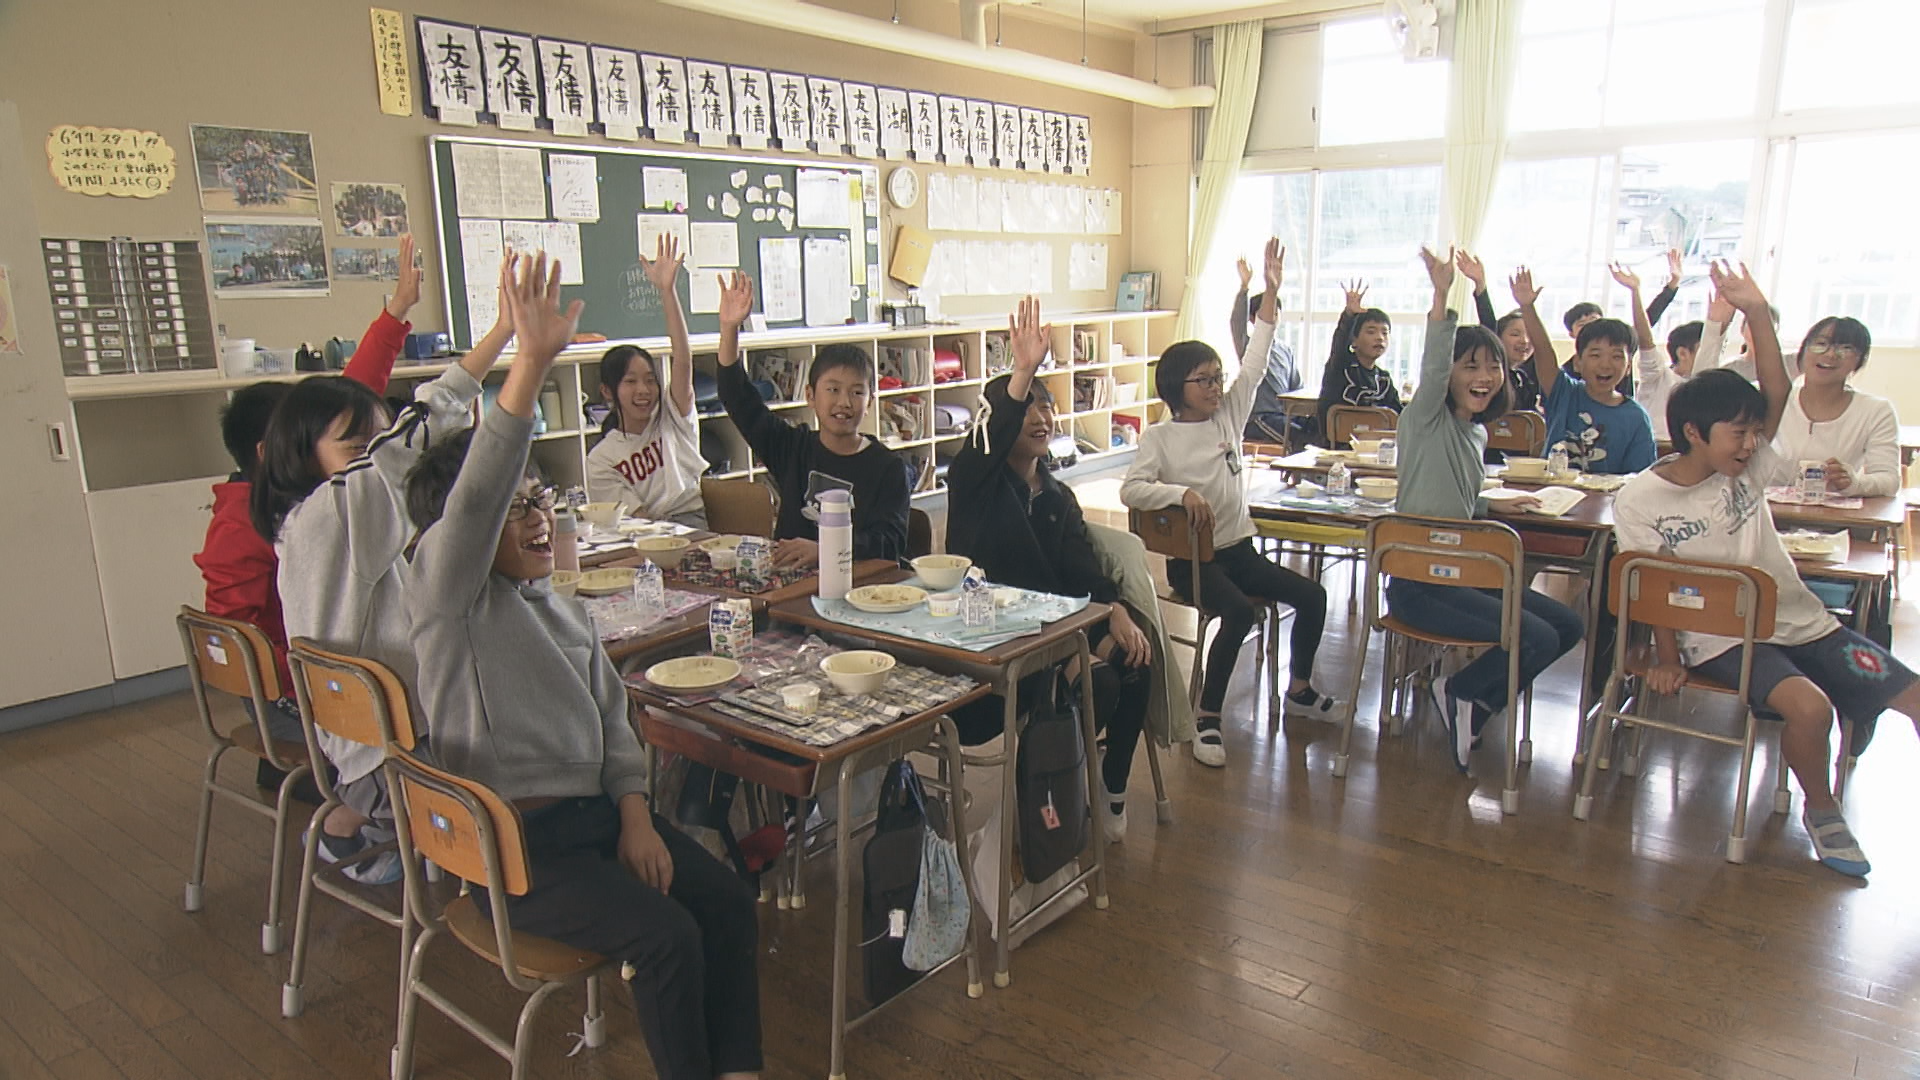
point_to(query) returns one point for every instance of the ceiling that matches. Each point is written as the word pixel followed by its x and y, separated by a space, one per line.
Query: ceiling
pixel 1147 16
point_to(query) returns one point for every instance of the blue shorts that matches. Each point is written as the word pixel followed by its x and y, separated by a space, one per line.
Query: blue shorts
pixel 1855 672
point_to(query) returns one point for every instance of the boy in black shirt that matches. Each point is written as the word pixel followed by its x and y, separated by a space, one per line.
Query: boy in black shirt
pixel 803 462
pixel 1354 375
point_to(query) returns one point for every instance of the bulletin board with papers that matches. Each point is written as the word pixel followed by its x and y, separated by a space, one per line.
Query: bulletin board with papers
pixel 808 232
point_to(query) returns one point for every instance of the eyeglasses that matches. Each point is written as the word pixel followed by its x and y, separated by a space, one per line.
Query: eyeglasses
pixel 1213 382
pixel 1844 352
pixel 522 505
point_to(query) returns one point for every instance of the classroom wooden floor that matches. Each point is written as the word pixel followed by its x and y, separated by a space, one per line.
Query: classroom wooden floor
pixel 1286 924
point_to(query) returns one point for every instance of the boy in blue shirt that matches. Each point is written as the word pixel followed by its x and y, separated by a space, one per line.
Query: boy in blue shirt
pixel 1605 431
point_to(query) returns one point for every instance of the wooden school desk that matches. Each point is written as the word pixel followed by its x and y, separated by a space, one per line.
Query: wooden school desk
pixel 713 738
pixel 1001 667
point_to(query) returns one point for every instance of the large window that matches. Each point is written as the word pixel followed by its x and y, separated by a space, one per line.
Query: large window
pixel 1543 214
pixel 1841 251
pixel 1368 93
pixel 1851 53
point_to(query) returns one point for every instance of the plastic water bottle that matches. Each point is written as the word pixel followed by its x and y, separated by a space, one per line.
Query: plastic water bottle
pixel 649 591
pixel 1339 479
pixel 1557 462
pixel 976 599
pixel 836 543
pixel 566 541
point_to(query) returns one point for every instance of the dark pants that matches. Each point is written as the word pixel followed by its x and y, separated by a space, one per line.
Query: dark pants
pixel 694 949
pixel 1234 586
pixel 1549 630
pixel 1120 696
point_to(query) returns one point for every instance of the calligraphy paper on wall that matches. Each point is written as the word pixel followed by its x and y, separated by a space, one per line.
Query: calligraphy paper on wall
pixel 665 79
pixel 896 123
pixel 792 124
pixel 455 85
pixel 926 125
pixel 1006 136
pixel 709 102
pixel 752 107
pixel 513 88
pixel 1056 129
pixel 955 136
pixel 829 107
pixel 616 90
pixel 980 133
pixel 863 120
pixel 567 74
pixel 1033 140
pixel 392 62
pixel 1079 145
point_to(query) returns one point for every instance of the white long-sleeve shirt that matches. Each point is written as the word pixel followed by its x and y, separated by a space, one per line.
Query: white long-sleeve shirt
pixel 1655 381
pixel 1204 455
pixel 1865 438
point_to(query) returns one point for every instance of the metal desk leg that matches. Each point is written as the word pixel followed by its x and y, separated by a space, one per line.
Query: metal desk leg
pixel 842 911
pixel 1596 581
pixel 1009 808
pixel 1095 787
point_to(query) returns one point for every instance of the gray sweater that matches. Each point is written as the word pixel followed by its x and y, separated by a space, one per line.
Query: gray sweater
pixel 340 569
pixel 1440 454
pixel 517 690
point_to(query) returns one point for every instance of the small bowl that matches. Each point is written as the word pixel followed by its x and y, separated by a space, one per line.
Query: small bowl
pixel 943 604
pixel 1367 446
pixel 724 559
pixel 606 581
pixel 1526 466
pixel 801 697
pixel 942 572
pixel 665 551
pixel 693 673
pixel 565 582
pixel 1379 488
pixel 860 671
pixel 602 515
pixel 1307 489
pixel 729 542
pixel 886 599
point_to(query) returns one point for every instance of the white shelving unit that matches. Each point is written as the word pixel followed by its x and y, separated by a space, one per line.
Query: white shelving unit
pixel 149 444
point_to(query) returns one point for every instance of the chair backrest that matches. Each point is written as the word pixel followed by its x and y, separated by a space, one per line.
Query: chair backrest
pixel 1442 551
pixel 462 825
pixel 1170 531
pixel 351 697
pixel 1253 450
pixel 231 656
pixel 1343 420
pixel 1523 432
pixel 919 533
pixel 1700 597
pixel 743 506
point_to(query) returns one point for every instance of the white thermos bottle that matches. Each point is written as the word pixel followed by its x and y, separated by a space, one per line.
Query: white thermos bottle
pixel 836 543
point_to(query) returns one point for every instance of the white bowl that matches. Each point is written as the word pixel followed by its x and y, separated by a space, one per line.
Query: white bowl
pixel 565 582
pixel 1367 446
pixel 606 581
pixel 729 542
pixel 942 572
pixel 1381 488
pixel 602 514
pixel 665 551
pixel 860 671
pixel 886 599
pixel 1526 466
pixel 683 674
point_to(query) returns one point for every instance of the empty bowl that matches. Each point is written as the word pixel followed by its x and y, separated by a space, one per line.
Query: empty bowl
pixel 1367 446
pixel 606 581
pixel 565 582
pixel 665 551
pixel 859 671
pixel 942 572
pixel 1526 466
pixel 603 515
pixel 1379 488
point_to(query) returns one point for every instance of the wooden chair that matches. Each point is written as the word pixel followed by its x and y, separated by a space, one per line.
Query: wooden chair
pixel 919 533
pixel 741 506
pixel 1682 595
pixel 235 658
pixel 1344 420
pixel 476 835
pixel 1523 432
pixel 364 702
pixel 1441 551
pixel 1172 533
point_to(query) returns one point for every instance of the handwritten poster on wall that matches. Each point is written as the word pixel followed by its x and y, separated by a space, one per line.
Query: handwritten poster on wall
pixel 392 63
pixel 455 85
pixel 110 161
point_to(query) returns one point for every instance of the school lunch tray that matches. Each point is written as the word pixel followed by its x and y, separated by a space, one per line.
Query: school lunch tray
pixel 1027 612
pixel 697 569
pixel 617 617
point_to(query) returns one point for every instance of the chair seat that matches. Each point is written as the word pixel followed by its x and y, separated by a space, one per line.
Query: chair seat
pixel 1641 660
pixel 247 737
pixel 1388 622
pixel 1323 535
pixel 534 957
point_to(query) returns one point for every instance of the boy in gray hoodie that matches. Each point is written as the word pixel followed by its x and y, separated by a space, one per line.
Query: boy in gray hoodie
pixel 520 696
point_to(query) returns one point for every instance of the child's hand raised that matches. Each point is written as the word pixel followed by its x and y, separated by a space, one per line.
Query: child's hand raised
pixel 1028 340
pixel 1738 288
pixel 664 268
pixel 1356 291
pixel 406 291
pixel 1719 309
pixel 1472 269
pixel 1673 268
pixel 736 300
pixel 1625 276
pixel 1275 263
pixel 1524 293
pixel 1439 269
pixel 533 295
pixel 1245 270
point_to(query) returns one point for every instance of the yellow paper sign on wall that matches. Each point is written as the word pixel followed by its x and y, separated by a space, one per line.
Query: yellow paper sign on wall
pixel 392 63
pixel 110 161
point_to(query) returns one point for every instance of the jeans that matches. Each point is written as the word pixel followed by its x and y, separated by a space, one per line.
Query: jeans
pixel 694 948
pixel 1549 630
pixel 1234 586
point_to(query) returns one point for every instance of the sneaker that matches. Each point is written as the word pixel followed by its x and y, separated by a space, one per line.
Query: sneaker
pixel 1833 843
pixel 1113 815
pixel 382 869
pixel 1210 748
pixel 1481 714
pixel 1312 704
pixel 1459 736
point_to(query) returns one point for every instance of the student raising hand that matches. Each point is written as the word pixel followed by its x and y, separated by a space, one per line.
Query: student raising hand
pixel 1470 268
pixel 1275 264
pixel 1440 273
pixel 736 299
pixel 1245 270
pixel 664 268
pixel 406 291
pixel 1356 291
pixel 1524 294
pixel 1625 276
pixel 1029 342
pixel 533 297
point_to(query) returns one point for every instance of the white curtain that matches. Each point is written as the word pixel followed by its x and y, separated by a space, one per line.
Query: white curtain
pixel 1236 67
pixel 1481 84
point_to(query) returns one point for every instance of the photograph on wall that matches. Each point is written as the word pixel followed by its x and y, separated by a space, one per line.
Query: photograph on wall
pixel 256 258
pixel 366 264
pixel 369 210
pixel 255 171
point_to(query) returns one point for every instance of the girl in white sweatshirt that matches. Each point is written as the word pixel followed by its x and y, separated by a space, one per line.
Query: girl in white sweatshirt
pixel 648 455
pixel 1193 460
pixel 1856 434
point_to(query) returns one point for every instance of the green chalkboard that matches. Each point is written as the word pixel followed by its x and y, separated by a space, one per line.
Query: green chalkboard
pixel 620 303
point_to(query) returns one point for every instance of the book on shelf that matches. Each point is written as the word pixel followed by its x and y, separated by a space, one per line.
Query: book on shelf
pixel 1139 291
